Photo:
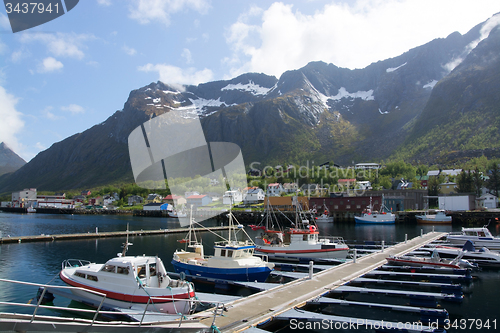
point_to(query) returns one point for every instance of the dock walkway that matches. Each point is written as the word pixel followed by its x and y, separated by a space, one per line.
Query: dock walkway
pixel 90 235
pixel 250 311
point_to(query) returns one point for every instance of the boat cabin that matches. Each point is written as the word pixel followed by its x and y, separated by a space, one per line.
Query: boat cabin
pixel 234 251
pixel 477 233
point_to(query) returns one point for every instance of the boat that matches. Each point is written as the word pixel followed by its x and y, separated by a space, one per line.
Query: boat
pixel 233 259
pixel 176 214
pixel 325 216
pixel 30 210
pixel 434 261
pixel 369 216
pixel 129 282
pixel 483 257
pixel 480 237
pixel 300 241
pixel 439 217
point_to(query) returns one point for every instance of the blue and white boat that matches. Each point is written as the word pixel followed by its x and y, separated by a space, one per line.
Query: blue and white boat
pixel 370 216
pixel 232 260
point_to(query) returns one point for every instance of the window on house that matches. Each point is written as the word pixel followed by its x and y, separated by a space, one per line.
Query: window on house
pixel 348 207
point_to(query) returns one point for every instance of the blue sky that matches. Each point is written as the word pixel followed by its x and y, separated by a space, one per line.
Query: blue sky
pixel 69 74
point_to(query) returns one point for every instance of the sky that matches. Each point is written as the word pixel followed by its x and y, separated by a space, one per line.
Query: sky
pixel 67 75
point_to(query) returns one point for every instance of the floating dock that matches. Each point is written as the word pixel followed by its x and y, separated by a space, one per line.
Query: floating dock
pixel 92 235
pixel 248 312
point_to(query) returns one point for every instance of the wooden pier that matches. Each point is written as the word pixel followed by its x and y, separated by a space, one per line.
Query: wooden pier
pixel 248 312
pixel 92 235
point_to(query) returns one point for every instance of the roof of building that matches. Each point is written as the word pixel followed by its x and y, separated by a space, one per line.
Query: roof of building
pixel 194 196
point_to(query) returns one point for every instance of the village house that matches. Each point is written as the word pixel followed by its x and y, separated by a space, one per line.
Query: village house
pixel 232 197
pixel 134 200
pixel 174 200
pixel 153 198
pixel 24 198
pixel 274 190
pixel 253 195
pixel 198 200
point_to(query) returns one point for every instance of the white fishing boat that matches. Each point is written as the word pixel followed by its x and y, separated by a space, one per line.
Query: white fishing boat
pixel 480 237
pixel 439 217
pixel 325 216
pixel 301 240
pixel 176 214
pixel 369 216
pixel 483 257
pixel 233 259
pixel 129 282
pixel 433 261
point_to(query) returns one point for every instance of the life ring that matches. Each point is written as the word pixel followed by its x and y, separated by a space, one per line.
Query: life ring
pixel 312 228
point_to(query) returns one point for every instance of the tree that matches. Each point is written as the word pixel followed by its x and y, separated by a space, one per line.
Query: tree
pixel 493 183
pixel 465 183
pixel 477 182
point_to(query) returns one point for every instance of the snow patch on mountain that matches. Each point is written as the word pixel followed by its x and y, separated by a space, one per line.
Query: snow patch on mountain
pixel 364 95
pixel 389 70
pixel 484 32
pixel 250 87
pixel 430 85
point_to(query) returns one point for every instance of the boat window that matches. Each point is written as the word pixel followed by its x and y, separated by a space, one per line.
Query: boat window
pixel 141 271
pixel 152 269
pixel 122 270
pixel 108 268
pixel 91 277
pixel 229 253
pixel 481 234
pixel 222 253
pixel 80 275
pixel 470 233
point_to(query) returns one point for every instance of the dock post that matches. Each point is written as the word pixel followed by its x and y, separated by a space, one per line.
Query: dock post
pixel 311 263
pixel 96 230
pixel 421 233
pixel 383 245
pixel 355 255
pixel 406 238
pixel 432 228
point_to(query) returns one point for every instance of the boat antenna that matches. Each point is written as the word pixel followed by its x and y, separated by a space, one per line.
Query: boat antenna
pixel 125 246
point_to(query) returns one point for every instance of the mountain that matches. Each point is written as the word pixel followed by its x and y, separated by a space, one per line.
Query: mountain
pixel 9 161
pixel 434 103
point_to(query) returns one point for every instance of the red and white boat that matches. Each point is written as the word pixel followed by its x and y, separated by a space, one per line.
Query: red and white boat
pixel 433 261
pixel 302 240
pixel 129 282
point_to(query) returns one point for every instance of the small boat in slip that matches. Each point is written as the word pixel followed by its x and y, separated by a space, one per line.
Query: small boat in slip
pixel 233 259
pixel 439 217
pixel 434 261
pixel 483 257
pixel 129 282
pixel 480 237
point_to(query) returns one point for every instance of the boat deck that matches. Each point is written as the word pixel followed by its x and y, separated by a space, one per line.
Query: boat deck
pixel 250 311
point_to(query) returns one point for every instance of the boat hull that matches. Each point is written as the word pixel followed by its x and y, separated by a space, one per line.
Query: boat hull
pixel 478 243
pixel 418 263
pixel 258 274
pixel 173 303
pixel 317 252
pixel 364 220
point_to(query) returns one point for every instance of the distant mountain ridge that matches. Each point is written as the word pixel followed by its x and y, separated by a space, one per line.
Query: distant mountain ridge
pixel 425 105
pixel 9 160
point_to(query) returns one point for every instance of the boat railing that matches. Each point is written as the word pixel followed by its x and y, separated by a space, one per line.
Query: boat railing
pixel 46 288
pixel 335 239
pixel 68 263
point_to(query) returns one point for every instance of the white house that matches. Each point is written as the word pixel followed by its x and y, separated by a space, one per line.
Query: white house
pixel 364 185
pixel 367 166
pixel 254 195
pixel 488 201
pixel 274 190
pixel 232 197
pixel 23 198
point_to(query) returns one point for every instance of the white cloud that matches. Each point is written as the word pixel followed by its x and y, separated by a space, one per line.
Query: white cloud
pixel 60 44
pixel 280 38
pixel 104 2
pixel 186 54
pixel 12 120
pixel 46 112
pixel 4 22
pixel 147 11
pixel 129 50
pixel 49 65
pixel 40 146
pixel 73 108
pixel 175 75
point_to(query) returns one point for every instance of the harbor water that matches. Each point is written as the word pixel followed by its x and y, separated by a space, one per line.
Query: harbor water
pixel 40 262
